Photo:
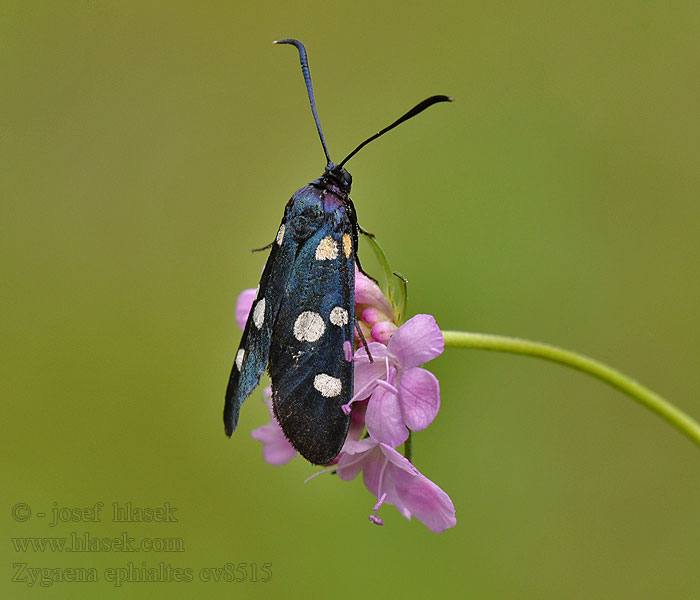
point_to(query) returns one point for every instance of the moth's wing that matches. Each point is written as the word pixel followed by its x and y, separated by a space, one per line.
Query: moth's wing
pixel 251 358
pixel 311 354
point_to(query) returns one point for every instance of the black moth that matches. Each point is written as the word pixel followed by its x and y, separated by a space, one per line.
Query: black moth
pixel 301 325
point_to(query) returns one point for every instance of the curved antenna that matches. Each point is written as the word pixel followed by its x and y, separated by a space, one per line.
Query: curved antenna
pixel 309 87
pixel 418 108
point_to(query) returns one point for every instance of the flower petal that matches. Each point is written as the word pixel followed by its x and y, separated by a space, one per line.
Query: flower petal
pixel 356 428
pixel 354 458
pixel 382 331
pixel 419 394
pixel 368 293
pixel 372 316
pixel 366 372
pixel 357 416
pixel 276 447
pixel 357 447
pixel 416 494
pixel 384 420
pixel 372 470
pixel 417 341
pixel 243 306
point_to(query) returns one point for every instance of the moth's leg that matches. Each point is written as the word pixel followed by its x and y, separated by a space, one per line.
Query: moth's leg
pixel 364 341
pixel 361 270
pixel 363 232
pixel 355 230
pixel 263 248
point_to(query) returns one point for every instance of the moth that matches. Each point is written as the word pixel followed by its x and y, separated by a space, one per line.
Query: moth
pixel 301 325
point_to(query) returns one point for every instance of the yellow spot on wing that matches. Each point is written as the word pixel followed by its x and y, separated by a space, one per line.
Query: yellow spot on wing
pixel 347 245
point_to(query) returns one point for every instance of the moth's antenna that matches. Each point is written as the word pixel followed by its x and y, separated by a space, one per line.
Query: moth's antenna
pixel 418 108
pixel 309 87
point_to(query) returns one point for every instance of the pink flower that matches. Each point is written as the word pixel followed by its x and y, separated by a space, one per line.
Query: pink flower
pixel 276 447
pixel 374 312
pixel 402 395
pixel 243 306
pixel 394 480
pixel 393 395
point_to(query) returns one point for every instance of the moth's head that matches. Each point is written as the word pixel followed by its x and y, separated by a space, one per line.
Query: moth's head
pixel 339 176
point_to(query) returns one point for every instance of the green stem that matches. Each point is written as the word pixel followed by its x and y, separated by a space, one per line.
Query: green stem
pixel 676 417
pixel 408 447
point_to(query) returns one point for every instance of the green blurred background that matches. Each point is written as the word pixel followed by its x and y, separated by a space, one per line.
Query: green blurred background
pixel 146 147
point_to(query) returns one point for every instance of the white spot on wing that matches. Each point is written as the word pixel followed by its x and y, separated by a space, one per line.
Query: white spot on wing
pixel 339 316
pixel 309 326
pixel 329 387
pixel 280 235
pixel 239 358
pixel 259 313
pixel 327 249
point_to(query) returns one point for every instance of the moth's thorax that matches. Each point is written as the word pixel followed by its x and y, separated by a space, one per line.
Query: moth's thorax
pixel 323 200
